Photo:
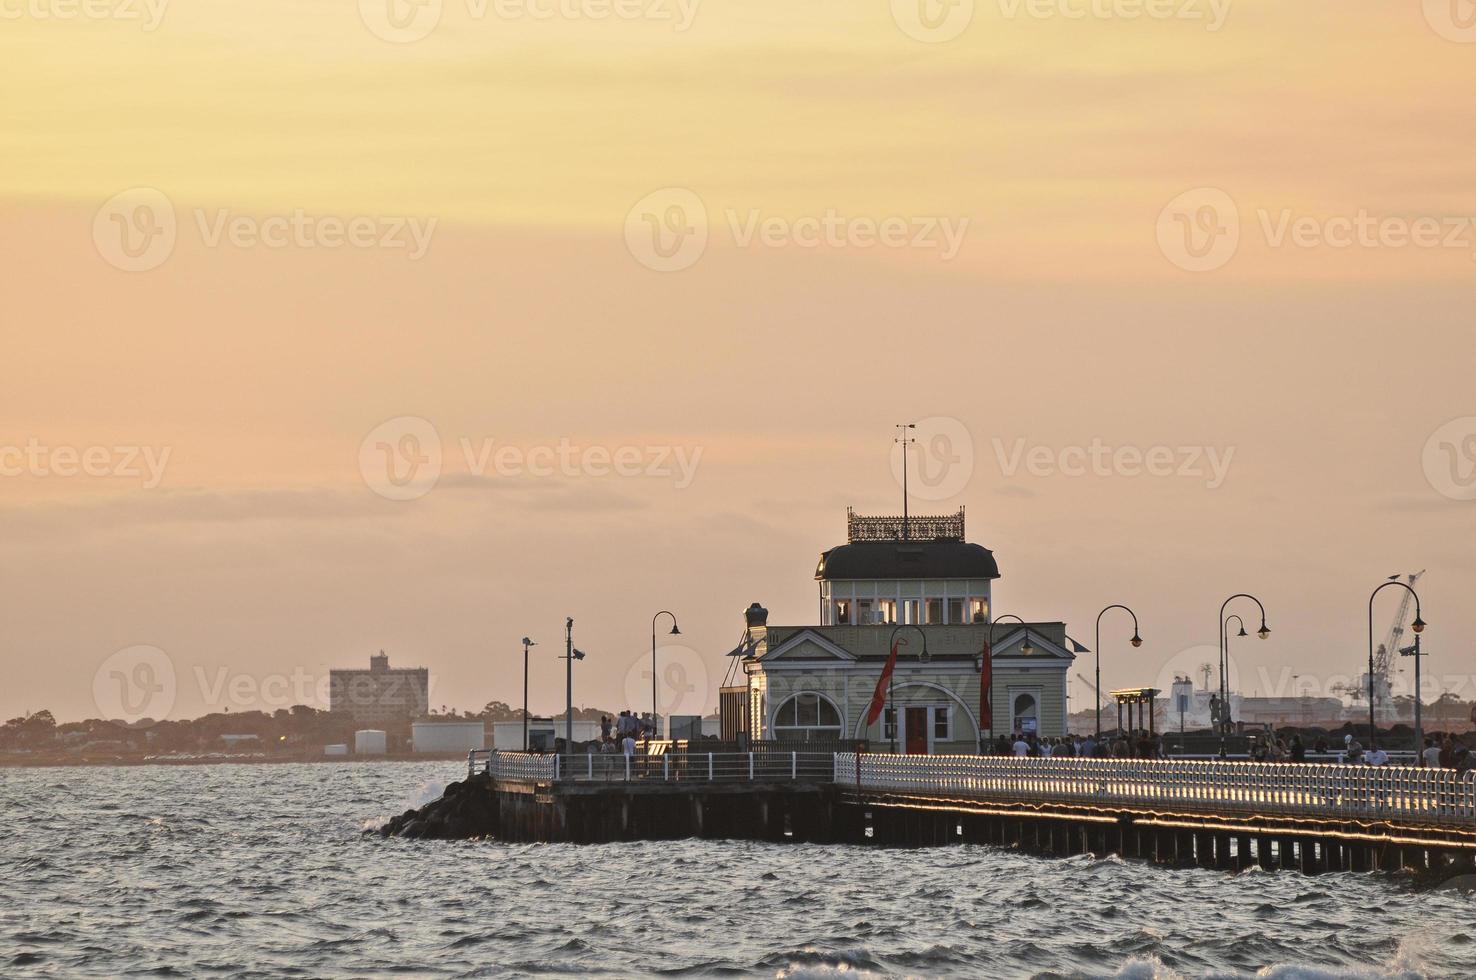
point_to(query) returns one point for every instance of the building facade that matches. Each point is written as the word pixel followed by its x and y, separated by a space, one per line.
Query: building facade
pixel 382 695
pixel 918 583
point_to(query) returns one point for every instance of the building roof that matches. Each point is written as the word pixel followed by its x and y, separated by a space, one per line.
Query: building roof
pixel 907 560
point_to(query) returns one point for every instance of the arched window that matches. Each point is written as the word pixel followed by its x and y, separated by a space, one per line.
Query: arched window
pixel 1026 719
pixel 805 717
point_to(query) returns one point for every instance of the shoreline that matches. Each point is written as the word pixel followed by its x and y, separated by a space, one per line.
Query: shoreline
pixel 70 762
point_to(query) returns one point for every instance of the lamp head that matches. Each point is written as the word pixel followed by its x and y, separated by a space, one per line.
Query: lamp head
pixel 1264 631
pixel 578 654
pixel 1242 631
pixel 674 630
pixel 1027 649
pixel 1137 640
pixel 528 643
pixel 1419 624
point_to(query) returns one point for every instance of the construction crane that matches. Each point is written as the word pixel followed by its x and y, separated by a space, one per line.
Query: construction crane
pixel 1385 653
pixel 1103 702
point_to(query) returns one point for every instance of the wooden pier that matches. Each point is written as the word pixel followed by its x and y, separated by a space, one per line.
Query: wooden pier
pixel 1310 818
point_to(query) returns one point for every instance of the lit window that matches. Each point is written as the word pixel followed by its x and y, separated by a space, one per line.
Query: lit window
pixel 806 717
pixel 934 610
pixel 911 611
pixel 842 612
pixel 864 612
pixel 978 610
pixel 886 611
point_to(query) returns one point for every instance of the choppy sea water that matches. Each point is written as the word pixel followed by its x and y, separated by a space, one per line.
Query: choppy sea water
pixel 262 871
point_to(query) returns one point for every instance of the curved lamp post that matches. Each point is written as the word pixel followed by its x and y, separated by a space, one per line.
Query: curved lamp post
pixel 674 632
pixel 1419 627
pixel 892 678
pixel 1263 632
pixel 1025 648
pixel 1136 641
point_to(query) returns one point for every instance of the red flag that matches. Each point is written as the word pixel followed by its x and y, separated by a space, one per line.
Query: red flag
pixel 986 688
pixel 879 699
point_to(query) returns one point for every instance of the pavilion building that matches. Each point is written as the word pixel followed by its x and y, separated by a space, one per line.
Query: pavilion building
pixel 919 582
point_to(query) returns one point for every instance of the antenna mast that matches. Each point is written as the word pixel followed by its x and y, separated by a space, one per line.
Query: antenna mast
pixel 905 439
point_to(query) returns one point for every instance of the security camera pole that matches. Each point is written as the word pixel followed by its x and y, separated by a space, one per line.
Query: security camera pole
pixel 569 683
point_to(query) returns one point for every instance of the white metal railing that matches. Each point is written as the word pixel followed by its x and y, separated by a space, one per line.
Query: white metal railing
pixel 691 767
pixel 1287 789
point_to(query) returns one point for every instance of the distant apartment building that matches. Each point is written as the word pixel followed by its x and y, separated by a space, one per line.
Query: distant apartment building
pixel 382 695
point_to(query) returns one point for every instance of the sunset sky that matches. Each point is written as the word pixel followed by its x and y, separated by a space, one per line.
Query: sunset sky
pixel 1094 170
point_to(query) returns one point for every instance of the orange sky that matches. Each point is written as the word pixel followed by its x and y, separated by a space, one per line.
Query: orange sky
pixel 1088 166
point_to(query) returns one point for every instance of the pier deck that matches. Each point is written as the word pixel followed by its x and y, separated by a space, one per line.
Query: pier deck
pixel 1309 817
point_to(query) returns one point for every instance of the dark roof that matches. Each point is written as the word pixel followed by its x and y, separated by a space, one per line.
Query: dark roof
pixel 907 559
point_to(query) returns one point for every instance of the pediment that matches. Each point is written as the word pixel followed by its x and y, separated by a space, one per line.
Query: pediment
pixel 808 646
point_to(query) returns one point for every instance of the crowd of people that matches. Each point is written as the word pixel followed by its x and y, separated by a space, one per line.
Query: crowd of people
pixel 1120 745
pixel 619 735
pixel 1439 753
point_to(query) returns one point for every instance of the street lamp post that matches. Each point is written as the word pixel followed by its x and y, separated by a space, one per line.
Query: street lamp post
pixel 674 632
pixel 1419 627
pixel 526 644
pixel 1136 641
pixel 570 655
pixel 1263 632
pixel 1025 648
pixel 892 679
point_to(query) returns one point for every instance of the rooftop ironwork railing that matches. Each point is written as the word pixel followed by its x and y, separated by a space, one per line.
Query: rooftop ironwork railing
pixel 947 527
pixel 1261 788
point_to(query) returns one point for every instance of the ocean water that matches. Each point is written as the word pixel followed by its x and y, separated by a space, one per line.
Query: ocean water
pixel 263 871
